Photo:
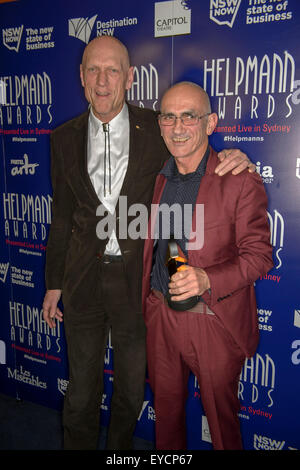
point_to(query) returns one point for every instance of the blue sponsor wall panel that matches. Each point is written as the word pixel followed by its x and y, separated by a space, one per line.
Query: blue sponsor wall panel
pixel 245 53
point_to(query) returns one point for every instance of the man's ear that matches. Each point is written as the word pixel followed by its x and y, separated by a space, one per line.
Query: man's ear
pixel 211 123
pixel 130 77
pixel 81 75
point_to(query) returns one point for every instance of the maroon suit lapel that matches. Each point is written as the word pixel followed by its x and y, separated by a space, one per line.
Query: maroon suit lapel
pixel 203 202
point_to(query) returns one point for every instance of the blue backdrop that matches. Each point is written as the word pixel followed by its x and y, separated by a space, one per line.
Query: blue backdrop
pixel 245 53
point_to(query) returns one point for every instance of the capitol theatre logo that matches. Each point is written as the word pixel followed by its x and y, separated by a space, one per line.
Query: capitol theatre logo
pixel 172 18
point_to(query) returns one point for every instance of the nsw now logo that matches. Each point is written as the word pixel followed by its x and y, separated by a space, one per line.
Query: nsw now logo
pixel 223 12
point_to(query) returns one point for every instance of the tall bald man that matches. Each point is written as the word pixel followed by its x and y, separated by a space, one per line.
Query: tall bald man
pixel 227 250
pixel 112 150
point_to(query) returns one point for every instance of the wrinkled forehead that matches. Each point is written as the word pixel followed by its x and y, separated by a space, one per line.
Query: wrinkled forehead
pixel 106 52
pixel 183 99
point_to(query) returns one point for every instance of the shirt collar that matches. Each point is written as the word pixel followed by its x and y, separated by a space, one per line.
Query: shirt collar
pixel 116 123
pixel 170 170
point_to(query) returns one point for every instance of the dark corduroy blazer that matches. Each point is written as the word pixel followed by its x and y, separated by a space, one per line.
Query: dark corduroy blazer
pixel 73 246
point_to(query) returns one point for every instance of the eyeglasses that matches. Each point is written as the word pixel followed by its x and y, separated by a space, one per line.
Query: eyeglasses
pixel 187 119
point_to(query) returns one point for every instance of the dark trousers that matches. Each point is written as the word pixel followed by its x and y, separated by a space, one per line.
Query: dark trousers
pixel 180 342
pixel 87 334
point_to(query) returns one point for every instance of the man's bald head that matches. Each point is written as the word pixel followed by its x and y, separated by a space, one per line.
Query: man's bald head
pixel 111 42
pixel 106 75
pixel 186 121
pixel 186 87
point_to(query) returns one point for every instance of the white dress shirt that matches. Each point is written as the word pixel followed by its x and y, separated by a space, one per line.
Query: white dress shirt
pixel 106 178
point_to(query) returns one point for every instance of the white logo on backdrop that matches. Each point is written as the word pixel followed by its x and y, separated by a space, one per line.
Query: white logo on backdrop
pixel 3 271
pixel 172 18
pixel 223 12
pixel 295 358
pixel 26 377
pixel 143 409
pixel 298 168
pixel 2 352
pixel 257 382
pixel 22 166
pixel 277 234
pixel 297 318
pixel 267 443
pixel 2 92
pixel 144 86
pixel 104 404
pixel 205 430
pixel 266 172
pixel 150 413
pixel 81 28
pixel 62 385
pixel 12 37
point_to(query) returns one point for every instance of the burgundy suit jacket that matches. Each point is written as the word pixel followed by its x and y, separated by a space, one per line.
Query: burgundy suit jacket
pixel 236 248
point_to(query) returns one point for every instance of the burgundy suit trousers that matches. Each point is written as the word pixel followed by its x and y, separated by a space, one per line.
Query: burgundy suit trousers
pixel 180 342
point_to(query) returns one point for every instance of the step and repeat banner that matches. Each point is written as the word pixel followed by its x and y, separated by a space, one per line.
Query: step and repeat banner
pixel 246 54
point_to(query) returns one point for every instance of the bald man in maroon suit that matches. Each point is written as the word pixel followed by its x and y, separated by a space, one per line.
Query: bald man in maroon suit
pixel 213 337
